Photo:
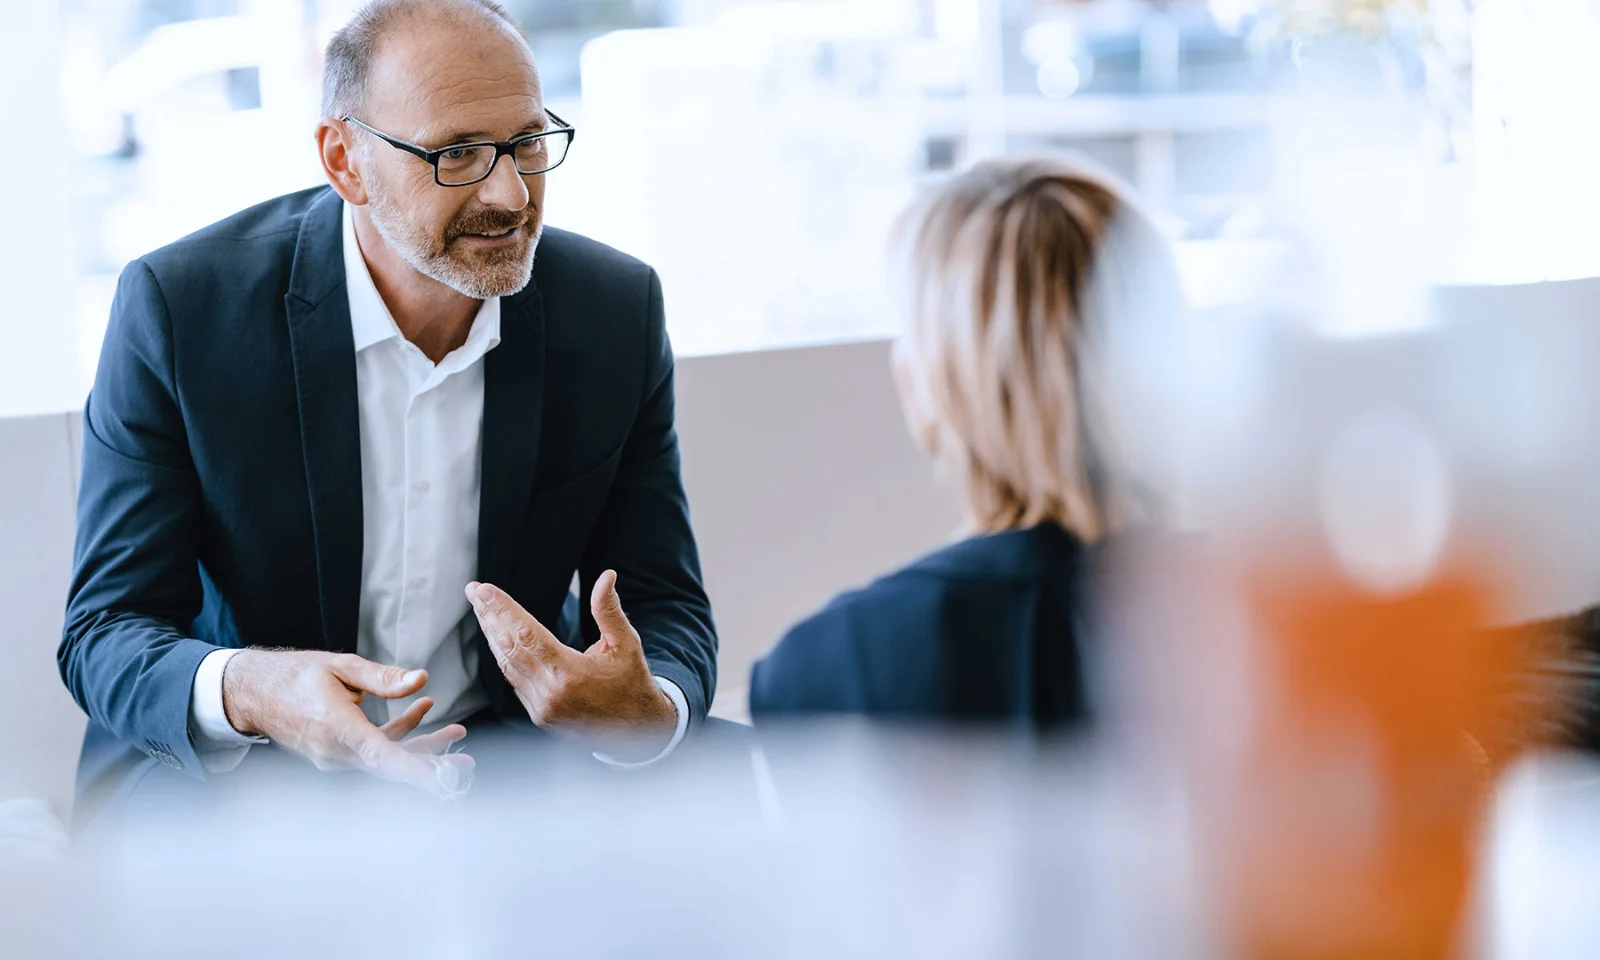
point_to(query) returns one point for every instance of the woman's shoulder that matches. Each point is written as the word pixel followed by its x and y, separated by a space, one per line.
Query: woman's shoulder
pixel 834 660
pixel 918 590
pixel 1046 551
pixel 914 604
pixel 848 655
pixel 897 643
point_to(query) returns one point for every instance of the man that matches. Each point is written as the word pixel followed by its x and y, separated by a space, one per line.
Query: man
pixel 317 425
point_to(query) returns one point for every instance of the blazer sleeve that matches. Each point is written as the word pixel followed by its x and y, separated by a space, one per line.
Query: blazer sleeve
pixel 643 533
pixel 125 654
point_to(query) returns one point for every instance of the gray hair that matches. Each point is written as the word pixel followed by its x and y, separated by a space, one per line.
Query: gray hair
pixel 347 63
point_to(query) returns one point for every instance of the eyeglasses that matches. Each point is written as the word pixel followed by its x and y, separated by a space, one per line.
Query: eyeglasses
pixel 463 164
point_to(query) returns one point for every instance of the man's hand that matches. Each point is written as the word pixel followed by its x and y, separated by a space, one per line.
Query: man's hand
pixel 306 701
pixel 604 694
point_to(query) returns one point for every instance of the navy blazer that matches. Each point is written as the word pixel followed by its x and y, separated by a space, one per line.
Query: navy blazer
pixel 220 503
pixel 987 630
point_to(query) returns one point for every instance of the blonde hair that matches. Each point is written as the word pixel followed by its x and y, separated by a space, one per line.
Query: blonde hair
pixel 998 360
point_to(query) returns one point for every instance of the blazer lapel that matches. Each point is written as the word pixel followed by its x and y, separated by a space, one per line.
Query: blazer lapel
pixel 323 348
pixel 513 403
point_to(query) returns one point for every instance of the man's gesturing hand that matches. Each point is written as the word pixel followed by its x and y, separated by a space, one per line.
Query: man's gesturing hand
pixel 605 693
pixel 306 701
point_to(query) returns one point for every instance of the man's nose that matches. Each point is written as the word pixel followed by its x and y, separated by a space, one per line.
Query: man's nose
pixel 504 186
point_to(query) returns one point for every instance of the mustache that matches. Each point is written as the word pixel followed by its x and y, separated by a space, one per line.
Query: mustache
pixel 489 221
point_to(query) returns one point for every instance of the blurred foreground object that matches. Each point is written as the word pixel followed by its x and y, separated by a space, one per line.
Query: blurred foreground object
pixel 1354 830
pixel 871 843
pixel 1339 745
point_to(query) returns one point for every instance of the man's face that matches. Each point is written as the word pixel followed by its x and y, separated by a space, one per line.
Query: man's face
pixel 437 83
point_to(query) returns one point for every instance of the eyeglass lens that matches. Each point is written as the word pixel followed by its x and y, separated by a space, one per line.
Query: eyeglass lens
pixel 464 165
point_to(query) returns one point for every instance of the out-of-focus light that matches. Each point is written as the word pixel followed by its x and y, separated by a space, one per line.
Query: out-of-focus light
pixel 820 20
pixel 94 125
pixel 956 22
pixel 1537 140
pixel 178 52
pixel 1385 496
pixel 1049 40
pixel 1059 79
pixel 1354 188
pixel 1230 14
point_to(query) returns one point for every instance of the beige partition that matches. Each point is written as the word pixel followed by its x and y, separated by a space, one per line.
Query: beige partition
pixel 803 482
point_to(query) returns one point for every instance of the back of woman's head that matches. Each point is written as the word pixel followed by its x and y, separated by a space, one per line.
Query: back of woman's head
pixel 1011 274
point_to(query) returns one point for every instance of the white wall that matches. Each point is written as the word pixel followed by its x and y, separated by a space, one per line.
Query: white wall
pixel 800 476
pixel 39 724
pixel 36 253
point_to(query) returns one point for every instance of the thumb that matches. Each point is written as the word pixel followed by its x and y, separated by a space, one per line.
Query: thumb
pixel 606 607
pixel 382 679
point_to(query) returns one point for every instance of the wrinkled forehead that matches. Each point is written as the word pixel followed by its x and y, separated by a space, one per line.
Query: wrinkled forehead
pixel 436 82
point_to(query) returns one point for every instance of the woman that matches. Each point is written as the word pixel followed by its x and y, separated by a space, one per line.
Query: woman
pixel 1024 282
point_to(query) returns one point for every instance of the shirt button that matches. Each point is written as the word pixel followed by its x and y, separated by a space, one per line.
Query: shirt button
pixel 421 487
pixel 417 583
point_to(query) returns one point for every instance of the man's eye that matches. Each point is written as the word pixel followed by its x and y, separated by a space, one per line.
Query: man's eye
pixel 456 153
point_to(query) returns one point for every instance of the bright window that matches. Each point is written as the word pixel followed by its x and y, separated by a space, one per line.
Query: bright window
pixel 754 152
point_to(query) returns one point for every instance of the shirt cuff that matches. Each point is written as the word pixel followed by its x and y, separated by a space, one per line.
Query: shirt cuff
pixel 679 703
pixel 220 747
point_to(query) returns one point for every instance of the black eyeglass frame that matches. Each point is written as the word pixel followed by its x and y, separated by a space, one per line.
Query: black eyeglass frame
pixel 501 148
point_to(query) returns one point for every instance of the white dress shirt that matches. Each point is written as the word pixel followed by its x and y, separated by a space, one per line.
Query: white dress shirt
pixel 421 457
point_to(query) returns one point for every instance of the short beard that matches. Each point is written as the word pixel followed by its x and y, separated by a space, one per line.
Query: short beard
pixel 494 273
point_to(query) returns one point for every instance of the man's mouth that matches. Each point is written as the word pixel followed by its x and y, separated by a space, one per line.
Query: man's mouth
pixel 507 235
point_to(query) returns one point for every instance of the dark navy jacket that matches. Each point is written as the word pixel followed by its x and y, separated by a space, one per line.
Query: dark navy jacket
pixel 220 503
pixel 988 630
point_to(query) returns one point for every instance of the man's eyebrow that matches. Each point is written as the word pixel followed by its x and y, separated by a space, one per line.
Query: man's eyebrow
pixel 478 136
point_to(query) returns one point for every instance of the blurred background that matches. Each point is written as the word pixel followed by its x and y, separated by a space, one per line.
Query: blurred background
pixel 755 152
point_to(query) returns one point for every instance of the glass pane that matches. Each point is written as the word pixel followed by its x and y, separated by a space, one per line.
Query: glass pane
pixel 465 164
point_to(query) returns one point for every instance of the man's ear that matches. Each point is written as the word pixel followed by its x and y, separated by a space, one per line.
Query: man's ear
pixel 337 149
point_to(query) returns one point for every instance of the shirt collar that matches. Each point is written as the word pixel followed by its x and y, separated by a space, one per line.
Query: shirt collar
pixel 371 322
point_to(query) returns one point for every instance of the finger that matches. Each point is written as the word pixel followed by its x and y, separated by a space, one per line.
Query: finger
pixel 397 728
pixel 370 750
pixel 436 742
pixel 381 679
pixel 606 606
pixel 501 630
pixel 514 634
pixel 453 774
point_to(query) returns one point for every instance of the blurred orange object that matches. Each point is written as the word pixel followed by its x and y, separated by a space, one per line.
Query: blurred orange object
pixel 1350 826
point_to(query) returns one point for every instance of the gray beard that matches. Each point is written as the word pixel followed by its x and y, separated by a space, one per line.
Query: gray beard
pixel 501 279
